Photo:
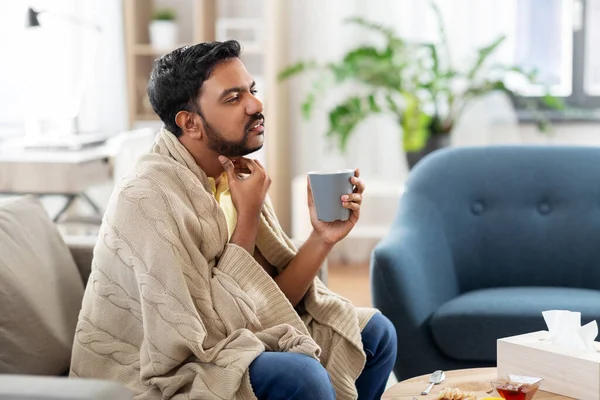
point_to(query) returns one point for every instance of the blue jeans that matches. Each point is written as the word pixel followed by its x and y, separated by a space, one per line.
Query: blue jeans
pixel 296 376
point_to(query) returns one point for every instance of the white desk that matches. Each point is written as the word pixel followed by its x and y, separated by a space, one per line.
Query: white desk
pixel 47 172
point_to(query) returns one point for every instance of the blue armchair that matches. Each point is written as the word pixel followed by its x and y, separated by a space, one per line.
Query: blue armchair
pixel 485 239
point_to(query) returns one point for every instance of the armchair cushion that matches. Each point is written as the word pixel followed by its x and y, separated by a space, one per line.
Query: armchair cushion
pixel 466 327
pixel 40 291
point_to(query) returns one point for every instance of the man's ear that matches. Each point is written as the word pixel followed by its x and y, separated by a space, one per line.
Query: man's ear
pixel 190 124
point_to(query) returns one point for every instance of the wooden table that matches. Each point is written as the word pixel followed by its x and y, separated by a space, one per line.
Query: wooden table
pixel 54 172
pixel 476 380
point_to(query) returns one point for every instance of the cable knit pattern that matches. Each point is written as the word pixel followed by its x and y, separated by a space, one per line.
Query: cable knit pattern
pixel 172 310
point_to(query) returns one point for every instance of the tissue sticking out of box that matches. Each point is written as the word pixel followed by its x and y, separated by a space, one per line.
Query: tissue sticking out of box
pixel 565 330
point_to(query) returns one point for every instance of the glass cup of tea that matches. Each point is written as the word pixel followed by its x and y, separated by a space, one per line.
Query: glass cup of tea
pixel 517 387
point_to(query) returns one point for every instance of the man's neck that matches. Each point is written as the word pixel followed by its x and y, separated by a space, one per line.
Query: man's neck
pixel 206 159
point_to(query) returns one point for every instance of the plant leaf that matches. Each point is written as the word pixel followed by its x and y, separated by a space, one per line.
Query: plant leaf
pixel 541 120
pixel 369 66
pixel 318 87
pixel 296 69
pixel 307 105
pixel 389 33
pixel 553 102
pixel 396 47
pixel 373 106
pixel 392 105
pixel 441 29
pixel 483 54
pixel 531 76
pixel 344 118
pixel 415 124
pixel 434 58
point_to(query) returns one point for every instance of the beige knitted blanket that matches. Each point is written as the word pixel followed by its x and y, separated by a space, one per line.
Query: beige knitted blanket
pixel 172 310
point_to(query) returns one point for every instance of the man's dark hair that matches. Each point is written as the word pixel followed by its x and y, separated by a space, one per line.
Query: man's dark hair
pixel 177 77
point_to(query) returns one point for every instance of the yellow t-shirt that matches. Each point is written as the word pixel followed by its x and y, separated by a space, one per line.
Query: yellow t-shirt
pixel 223 196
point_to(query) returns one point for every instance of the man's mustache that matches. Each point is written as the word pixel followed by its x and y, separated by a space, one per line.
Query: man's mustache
pixel 257 117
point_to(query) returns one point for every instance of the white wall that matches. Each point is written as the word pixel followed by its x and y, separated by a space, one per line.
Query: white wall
pixel 109 83
pixel 40 68
pixel 575 134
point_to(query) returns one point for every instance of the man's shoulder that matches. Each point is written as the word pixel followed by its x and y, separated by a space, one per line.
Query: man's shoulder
pixel 156 175
pixel 153 167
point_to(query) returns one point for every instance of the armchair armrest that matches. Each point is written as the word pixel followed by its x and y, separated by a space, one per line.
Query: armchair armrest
pixel 29 387
pixel 82 250
pixel 412 275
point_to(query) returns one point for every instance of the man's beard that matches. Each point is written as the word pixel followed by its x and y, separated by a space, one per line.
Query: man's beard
pixel 222 146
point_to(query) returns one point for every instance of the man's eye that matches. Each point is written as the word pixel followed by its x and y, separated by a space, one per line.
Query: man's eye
pixel 253 91
pixel 233 99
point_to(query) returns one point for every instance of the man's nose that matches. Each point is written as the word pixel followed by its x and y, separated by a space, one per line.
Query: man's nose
pixel 255 106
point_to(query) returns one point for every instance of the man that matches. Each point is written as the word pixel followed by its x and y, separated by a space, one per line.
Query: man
pixel 196 292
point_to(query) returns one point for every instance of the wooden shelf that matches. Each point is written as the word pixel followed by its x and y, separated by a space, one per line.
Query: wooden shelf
pixel 147 117
pixel 195 19
pixel 252 50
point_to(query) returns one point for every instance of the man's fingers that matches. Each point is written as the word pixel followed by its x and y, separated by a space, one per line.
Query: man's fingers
pixel 309 193
pixel 352 206
pixel 246 163
pixel 240 170
pixel 259 165
pixel 353 198
pixel 225 162
pixel 227 166
pixel 359 185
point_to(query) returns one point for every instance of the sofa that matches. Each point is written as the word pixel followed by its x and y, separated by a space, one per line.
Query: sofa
pixel 484 240
pixel 42 278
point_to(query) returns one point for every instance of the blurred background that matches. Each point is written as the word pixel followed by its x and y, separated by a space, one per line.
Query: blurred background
pixel 372 84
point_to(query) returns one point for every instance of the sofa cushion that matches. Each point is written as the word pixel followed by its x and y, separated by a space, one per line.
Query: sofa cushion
pixel 467 327
pixel 56 388
pixel 40 291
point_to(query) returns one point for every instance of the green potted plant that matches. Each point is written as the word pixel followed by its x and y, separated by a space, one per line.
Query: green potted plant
pixel 416 83
pixel 163 29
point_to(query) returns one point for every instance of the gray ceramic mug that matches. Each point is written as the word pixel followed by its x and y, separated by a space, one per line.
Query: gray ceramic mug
pixel 328 187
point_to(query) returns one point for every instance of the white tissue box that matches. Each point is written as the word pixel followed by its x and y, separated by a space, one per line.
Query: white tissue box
pixel 565 372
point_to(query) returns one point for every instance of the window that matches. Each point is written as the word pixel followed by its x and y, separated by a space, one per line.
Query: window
pixel 557 38
pixel 544 41
pixel 591 76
